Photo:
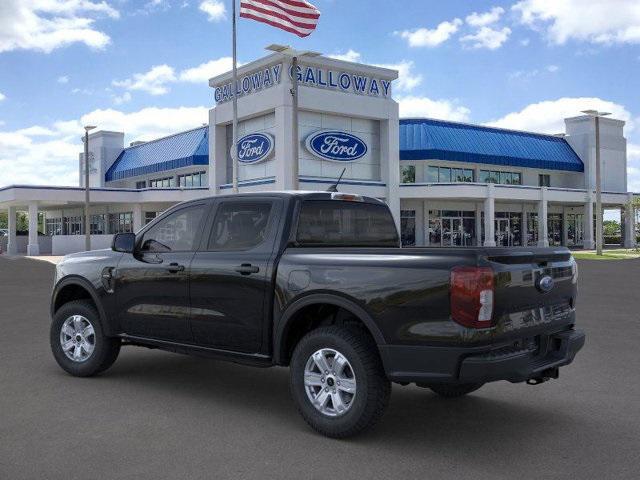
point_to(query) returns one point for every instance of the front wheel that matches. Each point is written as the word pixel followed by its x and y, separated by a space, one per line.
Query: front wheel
pixel 338 382
pixel 78 342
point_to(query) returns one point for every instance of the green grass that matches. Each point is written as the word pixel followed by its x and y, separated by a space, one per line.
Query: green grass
pixel 607 255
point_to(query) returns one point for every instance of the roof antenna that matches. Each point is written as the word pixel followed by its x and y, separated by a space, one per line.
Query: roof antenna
pixel 334 187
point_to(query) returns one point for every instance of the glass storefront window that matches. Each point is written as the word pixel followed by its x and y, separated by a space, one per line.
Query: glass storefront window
pixel 554 227
pixel 408 227
pixel 532 229
pixel 432 174
pixel 444 175
pixel 452 228
pixel 408 174
pixel 504 178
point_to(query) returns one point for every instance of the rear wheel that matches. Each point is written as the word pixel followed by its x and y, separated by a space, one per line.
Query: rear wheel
pixel 338 382
pixel 455 390
pixel 78 342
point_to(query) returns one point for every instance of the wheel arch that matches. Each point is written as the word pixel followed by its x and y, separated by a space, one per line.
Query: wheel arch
pixel 77 288
pixel 290 316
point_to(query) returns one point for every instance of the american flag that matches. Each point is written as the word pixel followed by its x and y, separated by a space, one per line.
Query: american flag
pixel 295 16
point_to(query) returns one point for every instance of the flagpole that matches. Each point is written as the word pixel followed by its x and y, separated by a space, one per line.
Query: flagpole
pixel 234 149
pixel 294 123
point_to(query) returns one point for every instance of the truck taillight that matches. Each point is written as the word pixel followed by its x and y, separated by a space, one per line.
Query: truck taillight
pixel 472 291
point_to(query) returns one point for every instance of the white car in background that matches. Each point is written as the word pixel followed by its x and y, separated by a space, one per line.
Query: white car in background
pixel 4 232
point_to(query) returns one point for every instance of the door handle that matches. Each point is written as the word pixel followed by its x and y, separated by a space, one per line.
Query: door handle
pixel 247 269
pixel 175 268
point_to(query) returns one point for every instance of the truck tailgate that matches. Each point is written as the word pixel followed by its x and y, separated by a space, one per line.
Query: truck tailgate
pixel 535 291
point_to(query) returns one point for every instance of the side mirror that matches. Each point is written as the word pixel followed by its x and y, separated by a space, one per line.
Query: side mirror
pixel 124 242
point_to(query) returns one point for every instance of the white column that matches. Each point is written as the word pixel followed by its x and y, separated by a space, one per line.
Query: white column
pixel 629 223
pixel 284 155
pixel 489 218
pixel 478 224
pixel 425 212
pixel 33 248
pixel 137 217
pixel 589 241
pixel 565 227
pixel 390 160
pixel 524 226
pixel 12 247
pixel 543 234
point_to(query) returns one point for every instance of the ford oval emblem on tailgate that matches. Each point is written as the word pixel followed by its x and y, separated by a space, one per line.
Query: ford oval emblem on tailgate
pixel 545 284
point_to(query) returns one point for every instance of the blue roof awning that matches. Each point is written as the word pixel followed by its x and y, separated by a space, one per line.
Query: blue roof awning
pixel 427 139
pixel 176 151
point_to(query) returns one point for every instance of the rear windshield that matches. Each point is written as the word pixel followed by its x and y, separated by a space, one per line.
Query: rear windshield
pixel 345 224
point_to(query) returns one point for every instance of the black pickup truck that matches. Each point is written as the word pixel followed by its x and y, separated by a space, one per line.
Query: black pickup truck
pixel 319 283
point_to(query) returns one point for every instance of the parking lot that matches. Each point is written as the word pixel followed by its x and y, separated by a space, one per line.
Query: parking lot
pixel 157 415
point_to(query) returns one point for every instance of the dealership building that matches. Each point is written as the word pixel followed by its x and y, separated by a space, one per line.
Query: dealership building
pixel 447 183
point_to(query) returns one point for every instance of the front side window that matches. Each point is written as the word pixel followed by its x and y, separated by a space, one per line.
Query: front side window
pixel 408 174
pixel 175 233
pixel 239 225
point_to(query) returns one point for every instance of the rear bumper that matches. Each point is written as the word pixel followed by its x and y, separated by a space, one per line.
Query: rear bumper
pixel 422 364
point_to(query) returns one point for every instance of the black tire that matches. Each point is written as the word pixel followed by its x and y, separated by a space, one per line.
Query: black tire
pixel 455 390
pixel 105 351
pixel 373 387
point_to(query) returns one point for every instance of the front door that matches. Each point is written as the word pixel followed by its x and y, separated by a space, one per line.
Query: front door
pixel 152 285
pixel 231 275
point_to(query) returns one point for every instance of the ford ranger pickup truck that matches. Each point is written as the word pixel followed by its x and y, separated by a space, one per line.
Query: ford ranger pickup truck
pixel 317 281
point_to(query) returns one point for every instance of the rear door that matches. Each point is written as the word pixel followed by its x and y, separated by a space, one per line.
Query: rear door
pixel 152 286
pixel 231 275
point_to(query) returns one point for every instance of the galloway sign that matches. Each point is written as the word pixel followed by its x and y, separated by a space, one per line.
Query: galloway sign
pixel 336 146
pixel 309 76
pixel 255 148
pixel 342 81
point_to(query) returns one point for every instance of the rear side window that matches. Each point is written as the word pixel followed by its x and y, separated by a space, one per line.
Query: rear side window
pixel 345 224
pixel 239 225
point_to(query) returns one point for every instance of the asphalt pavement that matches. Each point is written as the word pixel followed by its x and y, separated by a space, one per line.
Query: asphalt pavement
pixel 157 415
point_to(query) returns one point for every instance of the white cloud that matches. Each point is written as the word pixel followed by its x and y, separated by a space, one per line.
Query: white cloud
pixel 552 68
pixel 548 116
pixel 48 155
pixel 203 72
pixel 214 9
pixel 349 56
pixel 45 25
pixel 120 99
pixel 487 37
pixel 423 37
pixel 529 74
pixel 414 106
pixel 407 78
pixel 63 79
pixel 595 21
pixel 525 42
pixel 2 96
pixel 483 19
pixel 154 81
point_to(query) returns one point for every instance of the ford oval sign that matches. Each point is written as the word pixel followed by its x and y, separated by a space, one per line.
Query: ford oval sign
pixel 545 284
pixel 336 146
pixel 255 147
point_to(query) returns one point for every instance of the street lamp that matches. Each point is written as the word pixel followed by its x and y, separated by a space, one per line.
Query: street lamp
pixel 87 218
pixel 294 55
pixel 596 115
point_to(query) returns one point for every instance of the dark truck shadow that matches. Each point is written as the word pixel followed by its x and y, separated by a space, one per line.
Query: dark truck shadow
pixel 416 419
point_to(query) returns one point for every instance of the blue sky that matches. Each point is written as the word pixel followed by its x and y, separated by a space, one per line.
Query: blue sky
pixel 142 66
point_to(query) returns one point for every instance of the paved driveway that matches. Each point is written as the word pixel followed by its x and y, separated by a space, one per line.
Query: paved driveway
pixel 157 415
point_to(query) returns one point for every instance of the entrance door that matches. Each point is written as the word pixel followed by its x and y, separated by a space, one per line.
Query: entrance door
pixel 503 232
pixel 575 229
pixel 447 232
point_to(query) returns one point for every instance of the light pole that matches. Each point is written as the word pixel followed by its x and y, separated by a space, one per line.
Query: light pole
pixel 596 115
pixel 294 55
pixel 87 218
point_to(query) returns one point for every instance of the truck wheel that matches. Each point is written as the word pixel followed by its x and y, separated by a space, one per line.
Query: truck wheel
pixel 338 382
pixel 452 391
pixel 77 341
